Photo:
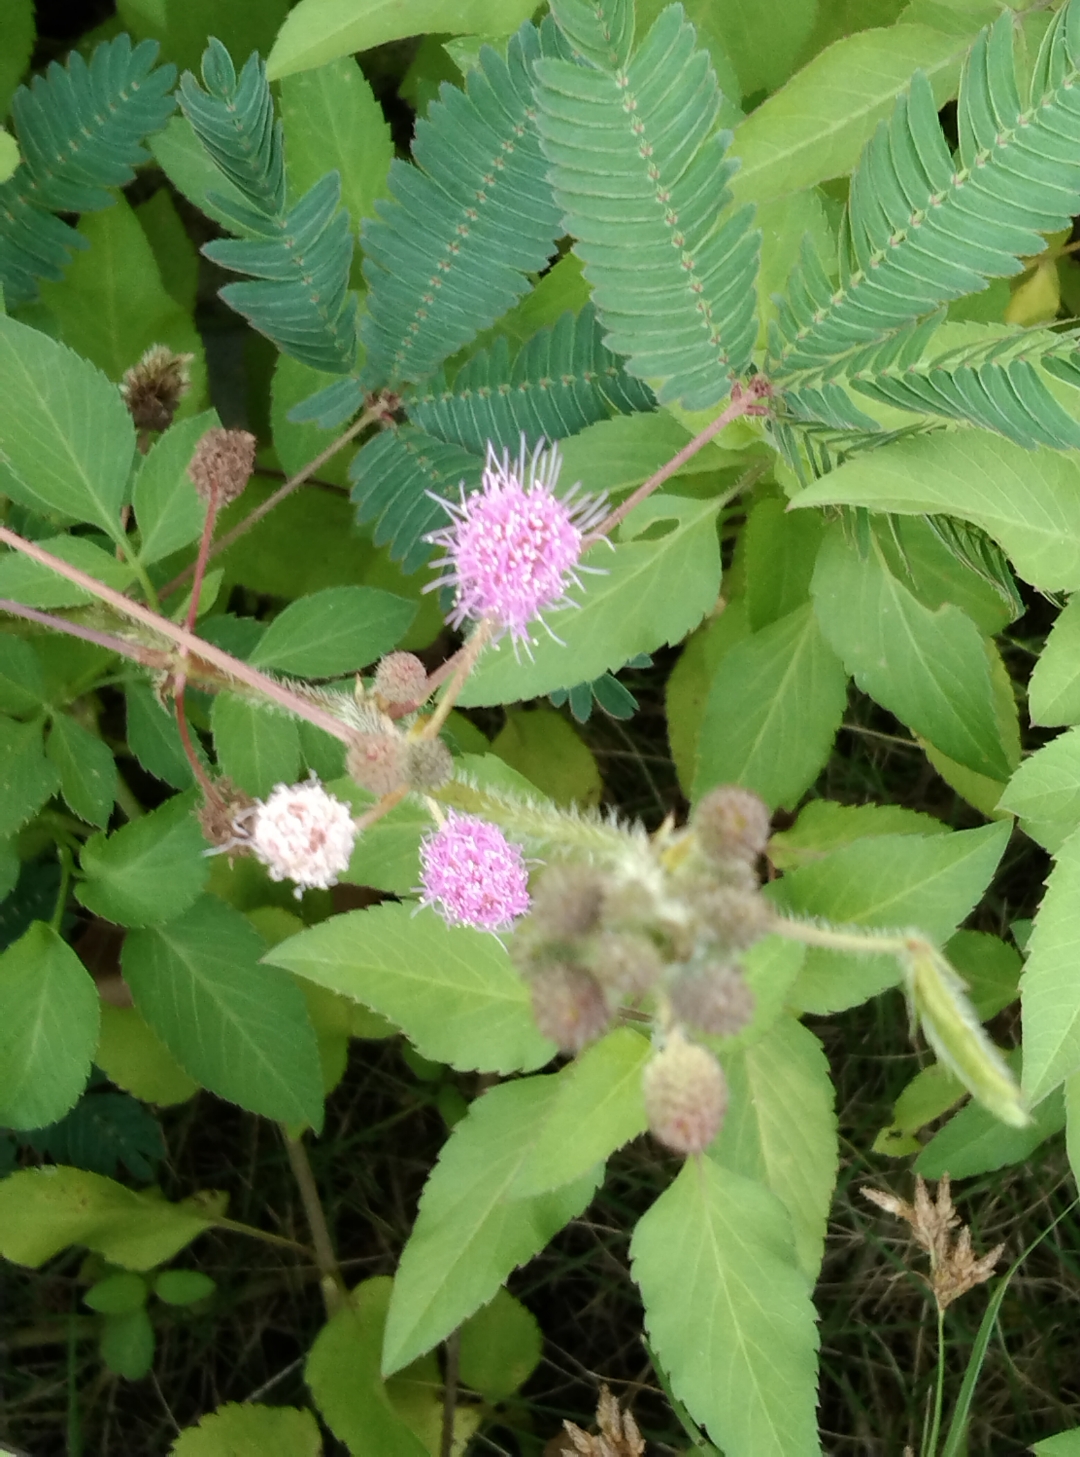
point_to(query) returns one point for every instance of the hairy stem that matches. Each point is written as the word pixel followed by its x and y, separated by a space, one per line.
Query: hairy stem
pixel 744 401
pixel 335 1291
pixel 465 661
pixel 146 657
pixel 206 784
pixel 870 943
pixel 376 412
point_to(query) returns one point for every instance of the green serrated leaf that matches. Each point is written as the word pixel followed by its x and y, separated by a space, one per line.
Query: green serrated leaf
pixel 135 1059
pixel 174 252
pixel 928 668
pixel 22 683
pixel 168 511
pixel 42 1211
pixel 824 825
pixel 452 990
pixel 974 1141
pixel 930 883
pixel 780 1129
pixel 1045 791
pixel 338 630
pixel 48 1028
pixel 687 690
pixel 24 580
pixel 1054 689
pixel 1049 990
pixel 470 1231
pixel 500 1347
pixel 27 778
pixel 17 26
pixel 149 870
pixel 238 1027
pixel 251 1430
pixel 729 1311
pixel 541 745
pixel 630 609
pixel 256 746
pixel 791 691
pixel 154 738
pixel 88 778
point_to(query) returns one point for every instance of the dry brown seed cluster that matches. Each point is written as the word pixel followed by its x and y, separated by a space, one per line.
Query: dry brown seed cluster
pixel 153 388
pixel 685 1095
pixel 222 464
pixel 618 1435
pixel 400 681
pixel 375 762
pixel 426 764
pixel 218 817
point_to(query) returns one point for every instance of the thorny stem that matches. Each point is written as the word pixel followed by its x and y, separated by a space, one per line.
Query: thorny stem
pixel 335 1291
pixel 377 411
pixel 869 942
pixel 746 400
pixel 147 657
pixel 230 666
pixel 450 1391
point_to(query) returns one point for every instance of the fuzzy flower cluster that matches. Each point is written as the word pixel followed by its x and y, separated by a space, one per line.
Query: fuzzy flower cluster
pixel 473 875
pixel 512 547
pixel 302 833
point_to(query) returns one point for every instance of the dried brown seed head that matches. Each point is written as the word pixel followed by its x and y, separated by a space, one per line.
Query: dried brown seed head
pixel 737 918
pixel 685 1095
pixel 222 464
pixel 628 963
pixel 567 900
pixel 732 824
pixel 569 1005
pixel 713 999
pixel 618 1436
pixel 376 762
pixel 400 680
pixel 153 388
pixel 426 763
pixel 218 817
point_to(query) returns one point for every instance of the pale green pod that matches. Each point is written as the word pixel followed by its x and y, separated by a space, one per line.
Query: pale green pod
pixel 937 997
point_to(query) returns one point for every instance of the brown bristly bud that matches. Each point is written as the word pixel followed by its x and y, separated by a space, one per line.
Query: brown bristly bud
pixel 626 962
pixel 153 388
pixel 714 999
pixel 222 464
pixel 376 762
pixel 737 918
pixel 569 1005
pixel 732 824
pixel 426 763
pixel 685 1095
pixel 400 681
pixel 566 901
pixel 618 1435
pixel 217 817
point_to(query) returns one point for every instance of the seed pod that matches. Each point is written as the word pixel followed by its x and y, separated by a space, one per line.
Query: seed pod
pixel 426 763
pixel 713 999
pixel 732 824
pixel 569 1005
pixel 376 762
pixel 153 388
pixel 222 464
pixel 400 680
pixel 737 918
pixel 685 1095
pixel 628 963
pixel 567 901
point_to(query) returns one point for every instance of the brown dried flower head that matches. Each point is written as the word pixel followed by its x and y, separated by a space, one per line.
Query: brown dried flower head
pixel 376 762
pixel 566 901
pixel 153 388
pixel 627 962
pixel 713 999
pixel 685 1095
pixel 732 824
pixel 218 817
pixel 954 1270
pixel 618 1435
pixel 737 918
pixel 400 680
pixel 569 1005
pixel 426 763
pixel 222 464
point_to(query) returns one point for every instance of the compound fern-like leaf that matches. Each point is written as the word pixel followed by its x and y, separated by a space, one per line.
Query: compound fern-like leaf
pixel 299 255
pixel 467 224
pixel 80 129
pixel 601 31
pixel 397 478
pixel 640 173
pixel 560 381
pixel 923 229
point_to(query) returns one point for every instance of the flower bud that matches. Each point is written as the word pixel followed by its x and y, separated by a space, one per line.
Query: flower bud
pixel 567 901
pixel 569 1005
pixel 737 918
pixel 732 824
pixel 400 680
pixel 630 964
pixel 426 763
pixel 714 999
pixel 376 762
pixel 153 388
pixel 685 1095
pixel 222 464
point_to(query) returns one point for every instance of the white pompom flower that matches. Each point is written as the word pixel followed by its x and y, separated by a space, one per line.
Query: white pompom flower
pixel 302 833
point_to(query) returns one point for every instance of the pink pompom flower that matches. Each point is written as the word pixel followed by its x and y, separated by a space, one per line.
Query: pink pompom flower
pixel 301 833
pixel 473 875
pixel 513 546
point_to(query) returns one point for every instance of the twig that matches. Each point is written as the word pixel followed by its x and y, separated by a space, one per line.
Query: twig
pixel 147 657
pixel 450 1391
pixel 335 1291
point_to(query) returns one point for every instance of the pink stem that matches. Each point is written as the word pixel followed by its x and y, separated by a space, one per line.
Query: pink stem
pixel 147 657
